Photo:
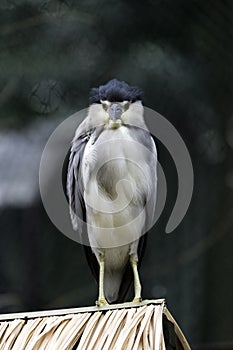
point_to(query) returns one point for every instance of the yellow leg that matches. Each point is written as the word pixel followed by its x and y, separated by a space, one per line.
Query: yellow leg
pixel 137 284
pixel 101 299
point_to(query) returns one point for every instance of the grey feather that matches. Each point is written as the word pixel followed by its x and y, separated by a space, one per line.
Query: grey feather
pixel 74 182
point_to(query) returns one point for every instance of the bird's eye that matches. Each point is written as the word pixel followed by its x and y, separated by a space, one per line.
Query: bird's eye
pixel 105 106
pixel 126 106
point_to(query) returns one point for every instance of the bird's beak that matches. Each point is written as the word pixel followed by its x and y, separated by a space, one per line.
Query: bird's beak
pixel 115 111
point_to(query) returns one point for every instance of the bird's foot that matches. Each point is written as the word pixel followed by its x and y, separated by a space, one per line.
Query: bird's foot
pixel 101 302
pixel 137 300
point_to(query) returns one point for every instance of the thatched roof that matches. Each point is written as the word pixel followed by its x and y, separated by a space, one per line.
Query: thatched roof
pixel 125 326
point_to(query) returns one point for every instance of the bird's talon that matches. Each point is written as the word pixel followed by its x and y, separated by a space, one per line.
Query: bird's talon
pixel 101 302
pixel 137 300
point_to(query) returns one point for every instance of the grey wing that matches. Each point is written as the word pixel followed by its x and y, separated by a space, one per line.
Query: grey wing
pixel 74 192
pixel 151 204
pixel 74 185
pixel 144 137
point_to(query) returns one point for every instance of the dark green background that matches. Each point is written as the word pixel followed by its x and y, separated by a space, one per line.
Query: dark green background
pixel 180 52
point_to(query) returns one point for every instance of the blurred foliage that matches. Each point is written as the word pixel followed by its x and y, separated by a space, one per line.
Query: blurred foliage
pixel 180 52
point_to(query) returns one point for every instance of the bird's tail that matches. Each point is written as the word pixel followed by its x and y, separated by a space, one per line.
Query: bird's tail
pixel 118 284
pixel 112 283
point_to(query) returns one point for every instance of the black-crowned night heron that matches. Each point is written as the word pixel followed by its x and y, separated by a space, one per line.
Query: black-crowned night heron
pixel 111 185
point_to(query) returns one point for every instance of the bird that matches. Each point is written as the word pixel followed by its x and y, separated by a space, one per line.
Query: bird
pixel 111 186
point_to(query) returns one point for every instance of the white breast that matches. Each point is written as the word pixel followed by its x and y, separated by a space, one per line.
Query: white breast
pixel 115 176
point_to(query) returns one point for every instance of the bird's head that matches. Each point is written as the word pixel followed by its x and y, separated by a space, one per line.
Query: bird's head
pixel 115 111
pixel 114 101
